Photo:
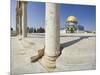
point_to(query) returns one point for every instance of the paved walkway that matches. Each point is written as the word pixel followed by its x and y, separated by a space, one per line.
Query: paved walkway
pixel 78 53
pixel 20 58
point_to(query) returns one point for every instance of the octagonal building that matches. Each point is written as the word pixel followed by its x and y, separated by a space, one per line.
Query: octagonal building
pixel 71 20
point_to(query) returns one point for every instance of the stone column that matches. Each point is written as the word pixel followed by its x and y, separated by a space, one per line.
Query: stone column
pixel 17 28
pixel 52 38
pixel 19 24
pixel 24 18
pixel 18 18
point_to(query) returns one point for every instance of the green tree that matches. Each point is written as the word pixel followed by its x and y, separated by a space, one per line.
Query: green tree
pixel 72 29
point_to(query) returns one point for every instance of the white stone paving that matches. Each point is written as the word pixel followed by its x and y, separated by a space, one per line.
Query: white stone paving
pixel 20 59
pixel 79 53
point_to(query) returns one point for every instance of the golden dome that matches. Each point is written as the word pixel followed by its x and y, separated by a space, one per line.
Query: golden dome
pixel 72 19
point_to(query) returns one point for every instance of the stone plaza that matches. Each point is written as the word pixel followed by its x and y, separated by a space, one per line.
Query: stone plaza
pixel 62 52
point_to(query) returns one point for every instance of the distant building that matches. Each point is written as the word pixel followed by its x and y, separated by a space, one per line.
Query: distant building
pixel 81 29
pixel 72 25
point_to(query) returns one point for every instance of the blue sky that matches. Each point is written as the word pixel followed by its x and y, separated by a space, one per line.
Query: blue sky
pixel 85 14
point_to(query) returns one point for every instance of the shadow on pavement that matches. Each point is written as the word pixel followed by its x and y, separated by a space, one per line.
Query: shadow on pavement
pixel 66 44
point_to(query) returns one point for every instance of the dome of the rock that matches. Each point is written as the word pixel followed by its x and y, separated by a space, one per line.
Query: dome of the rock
pixel 72 19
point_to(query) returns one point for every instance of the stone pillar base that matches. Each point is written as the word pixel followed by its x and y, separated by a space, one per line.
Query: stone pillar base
pixel 49 62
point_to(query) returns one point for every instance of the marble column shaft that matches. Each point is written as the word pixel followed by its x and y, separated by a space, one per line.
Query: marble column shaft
pixel 52 37
pixel 18 18
pixel 24 19
pixel 17 25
